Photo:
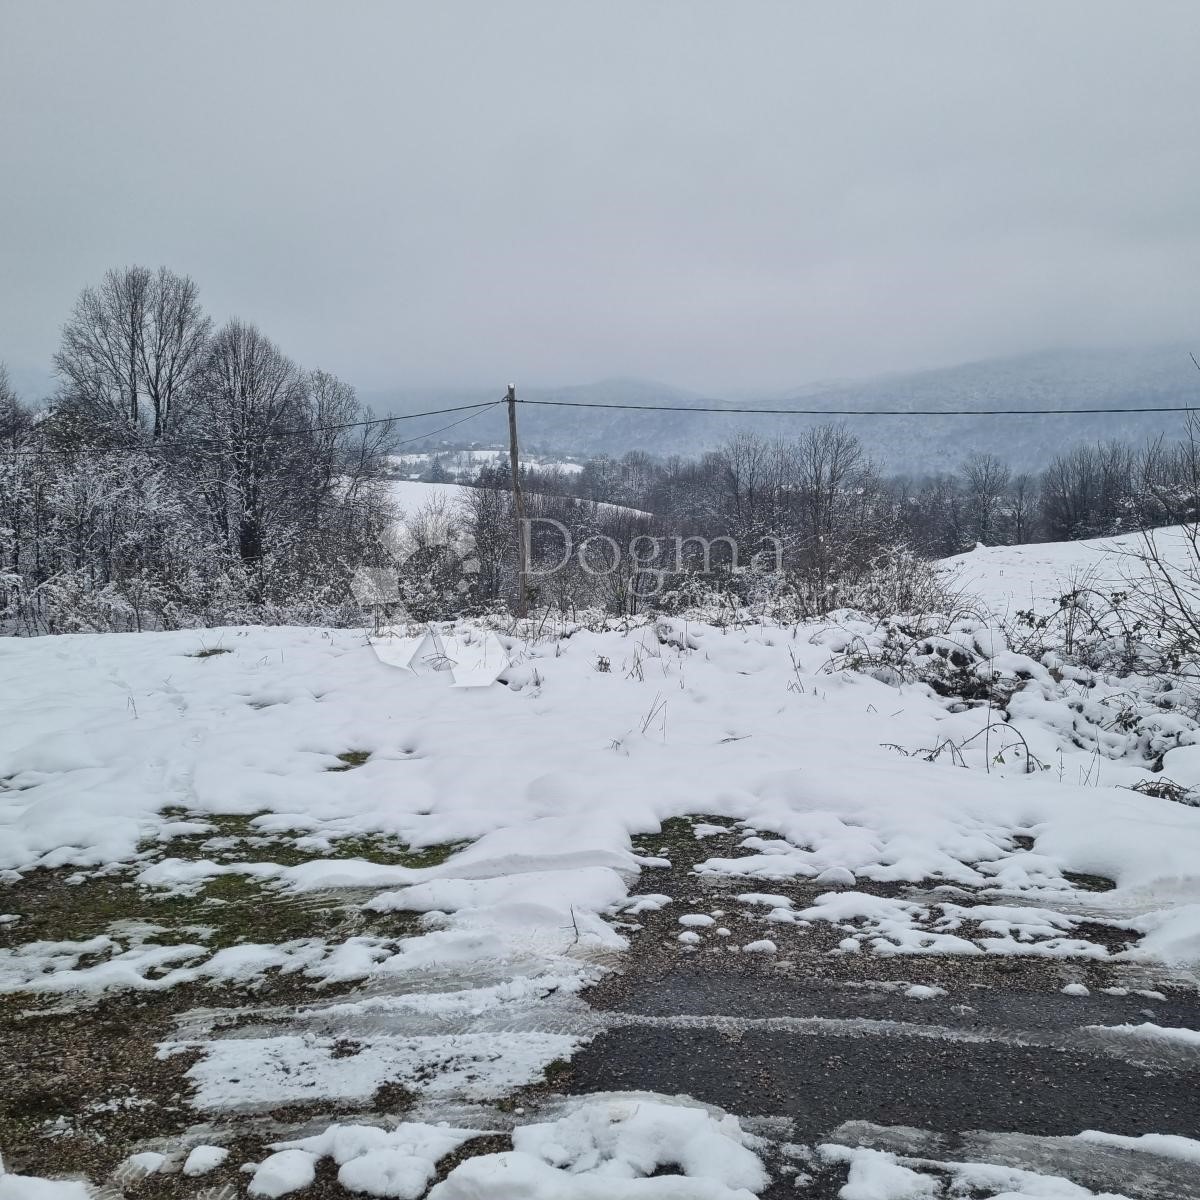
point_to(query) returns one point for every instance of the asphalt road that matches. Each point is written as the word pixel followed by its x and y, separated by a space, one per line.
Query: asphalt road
pixel 1004 1061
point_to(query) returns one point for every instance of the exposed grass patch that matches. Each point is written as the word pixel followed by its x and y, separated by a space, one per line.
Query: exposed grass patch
pixel 351 759
pixel 229 910
pixel 683 848
pixel 210 652
pixel 234 838
pixel 1089 883
pixel 83 1084
pixel 390 851
pixel 53 910
pixel 240 910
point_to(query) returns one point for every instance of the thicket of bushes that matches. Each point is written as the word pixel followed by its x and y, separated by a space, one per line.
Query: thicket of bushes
pixel 181 475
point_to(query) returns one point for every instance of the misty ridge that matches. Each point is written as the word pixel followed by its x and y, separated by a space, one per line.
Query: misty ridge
pixel 1141 377
pixel 1155 376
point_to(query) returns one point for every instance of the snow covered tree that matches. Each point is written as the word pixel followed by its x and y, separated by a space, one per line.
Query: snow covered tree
pixel 985 482
pixel 131 351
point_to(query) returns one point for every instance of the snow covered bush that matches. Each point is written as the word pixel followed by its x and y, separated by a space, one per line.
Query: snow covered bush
pixel 894 580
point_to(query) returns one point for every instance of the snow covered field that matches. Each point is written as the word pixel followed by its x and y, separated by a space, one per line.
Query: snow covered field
pixel 480 849
pixel 1008 578
pixel 411 496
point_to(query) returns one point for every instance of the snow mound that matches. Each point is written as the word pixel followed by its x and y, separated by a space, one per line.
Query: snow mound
pixel 203 1159
pixel 606 1149
pixel 283 1173
pixel 397 1163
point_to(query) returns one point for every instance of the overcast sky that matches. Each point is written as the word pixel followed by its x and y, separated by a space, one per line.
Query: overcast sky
pixel 727 196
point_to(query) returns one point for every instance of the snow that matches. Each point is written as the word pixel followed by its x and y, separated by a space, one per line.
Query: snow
pixel 27 1187
pixel 762 946
pixel 541 780
pixel 410 496
pixel 1008 578
pixel 283 1173
pixel 1151 1032
pixel 876 1175
pixel 604 1148
pixel 1010 1183
pixel 148 1162
pixel 1168 1145
pixel 879 1175
pixel 397 1162
pixel 768 898
pixel 470 461
pixel 264 1073
pixel 547 782
pixel 473 661
pixel 203 1159
pixel 905 927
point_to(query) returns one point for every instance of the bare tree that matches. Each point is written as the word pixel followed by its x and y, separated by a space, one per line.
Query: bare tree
pixel 348 444
pixel 746 469
pixel 828 469
pixel 247 426
pixel 15 418
pixel 132 350
pixel 985 480
pixel 1023 509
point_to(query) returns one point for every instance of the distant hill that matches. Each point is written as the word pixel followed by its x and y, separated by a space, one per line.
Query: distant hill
pixel 1162 375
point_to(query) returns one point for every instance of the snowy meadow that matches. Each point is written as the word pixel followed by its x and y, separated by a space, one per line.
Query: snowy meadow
pixel 347 919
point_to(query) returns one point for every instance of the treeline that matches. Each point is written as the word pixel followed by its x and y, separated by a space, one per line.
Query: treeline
pixel 182 474
pixel 824 478
pixel 805 526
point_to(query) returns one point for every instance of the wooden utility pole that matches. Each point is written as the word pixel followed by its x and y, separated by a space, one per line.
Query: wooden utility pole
pixel 514 459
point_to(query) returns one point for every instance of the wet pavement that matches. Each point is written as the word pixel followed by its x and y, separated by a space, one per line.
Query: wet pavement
pixel 819 1080
pixel 967 1057
pixel 810 1041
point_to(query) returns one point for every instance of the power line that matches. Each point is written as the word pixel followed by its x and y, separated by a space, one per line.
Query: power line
pixel 434 412
pixel 432 432
pixel 862 412
pixel 478 409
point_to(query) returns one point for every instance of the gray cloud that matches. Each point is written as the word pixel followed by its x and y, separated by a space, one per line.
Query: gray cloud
pixel 729 196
